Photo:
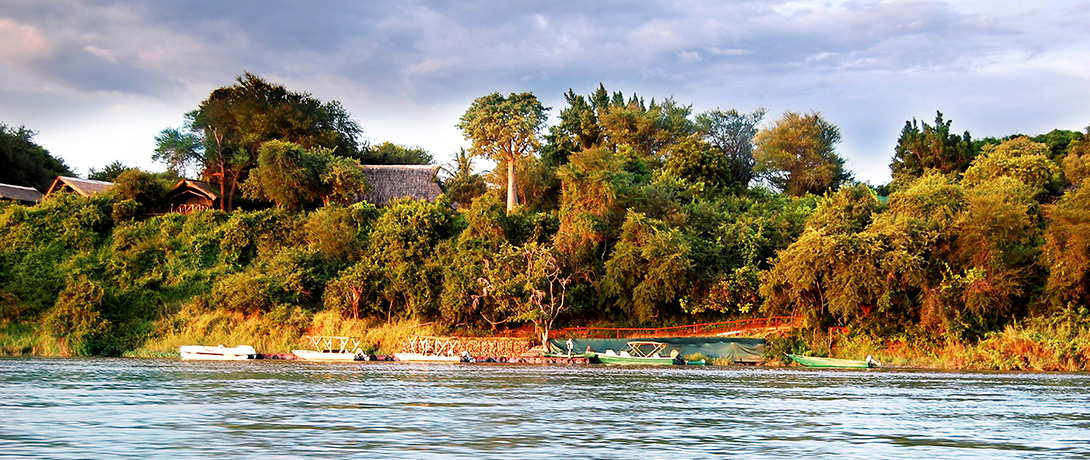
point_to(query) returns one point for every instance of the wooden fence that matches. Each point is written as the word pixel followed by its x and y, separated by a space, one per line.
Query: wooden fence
pixel 719 329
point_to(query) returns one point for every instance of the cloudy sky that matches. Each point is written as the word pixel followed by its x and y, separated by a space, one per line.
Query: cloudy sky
pixel 99 79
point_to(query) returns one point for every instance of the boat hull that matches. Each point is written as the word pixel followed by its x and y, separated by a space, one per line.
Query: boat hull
pixel 311 355
pixel 419 358
pixel 634 360
pixel 813 361
pixel 220 353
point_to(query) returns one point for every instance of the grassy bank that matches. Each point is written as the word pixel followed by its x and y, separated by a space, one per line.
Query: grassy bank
pixel 1058 343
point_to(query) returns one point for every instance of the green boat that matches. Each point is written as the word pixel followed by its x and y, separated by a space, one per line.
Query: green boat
pixel 643 353
pixel 814 361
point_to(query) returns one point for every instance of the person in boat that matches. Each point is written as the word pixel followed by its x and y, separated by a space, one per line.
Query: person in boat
pixel 467 358
pixel 570 346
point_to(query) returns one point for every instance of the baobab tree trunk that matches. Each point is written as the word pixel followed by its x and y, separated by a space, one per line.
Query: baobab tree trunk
pixel 512 194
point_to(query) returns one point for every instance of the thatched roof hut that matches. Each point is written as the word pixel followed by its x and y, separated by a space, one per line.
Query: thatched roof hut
pixel 396 181
pixel 84 187
pixel 191 195
pixel 25 195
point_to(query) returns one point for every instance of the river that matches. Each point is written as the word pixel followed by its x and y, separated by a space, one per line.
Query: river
pixel 148 409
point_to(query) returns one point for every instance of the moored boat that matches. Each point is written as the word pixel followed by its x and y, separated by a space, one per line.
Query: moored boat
pixel 642 353
pixel 423 358
pixel 815 361
pixel 219 353
pixel 332 349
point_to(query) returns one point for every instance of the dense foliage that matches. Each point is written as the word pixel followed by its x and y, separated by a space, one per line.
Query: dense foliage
pixel 631 213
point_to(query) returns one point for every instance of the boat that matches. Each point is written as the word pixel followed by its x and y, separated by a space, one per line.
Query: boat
pixel 219 353
pixel 814 361
pixel 422 358
pixel 643 353
pixel 332 349
pixel 432 350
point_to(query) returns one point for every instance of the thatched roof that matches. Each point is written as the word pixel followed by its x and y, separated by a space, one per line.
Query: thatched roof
pixel 195 187
pixel 84 187
pixel 28 195
pixel 395 181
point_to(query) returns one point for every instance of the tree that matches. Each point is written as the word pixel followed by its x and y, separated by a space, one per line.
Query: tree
pixel 295 178
pixel 285 175
pixel 109 172
pixel 648 268
pixel 180 149
pixel 1019 158
pixel 225 133
pixel 696 161
pixel 503 129
pixel 1076 164
pixel 544 280
pixel 387 153
pixel 462 184
pixel 920 149
pixel 24 162
pixel 142 187
pixel 797 155
pixel 732 133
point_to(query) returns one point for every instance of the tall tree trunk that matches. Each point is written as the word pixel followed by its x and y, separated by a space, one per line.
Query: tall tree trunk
pixel 512 194
pixel 223 187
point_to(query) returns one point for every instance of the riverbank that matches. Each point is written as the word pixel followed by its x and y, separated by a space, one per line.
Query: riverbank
pixel 1056 344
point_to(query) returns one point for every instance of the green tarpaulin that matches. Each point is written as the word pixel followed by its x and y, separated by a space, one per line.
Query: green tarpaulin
pixel 737 350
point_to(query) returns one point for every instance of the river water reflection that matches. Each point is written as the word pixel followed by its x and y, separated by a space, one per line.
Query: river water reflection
pixel 129 408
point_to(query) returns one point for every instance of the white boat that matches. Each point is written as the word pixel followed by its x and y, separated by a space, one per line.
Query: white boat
pixel 332 349
pixel 220 353
pixel 422 358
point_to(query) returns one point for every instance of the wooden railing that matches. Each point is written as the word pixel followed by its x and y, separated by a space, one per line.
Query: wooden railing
pixel 720 328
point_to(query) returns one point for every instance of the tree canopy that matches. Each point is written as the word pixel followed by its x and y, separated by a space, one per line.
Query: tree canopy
pixel 797 154
pixel 225 133
pixel 24 162
pixel 504 129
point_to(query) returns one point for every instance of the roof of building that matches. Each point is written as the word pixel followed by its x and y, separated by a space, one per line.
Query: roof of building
pixel 20 193
pixel 194 186
pixel 396 181
pixel 84 187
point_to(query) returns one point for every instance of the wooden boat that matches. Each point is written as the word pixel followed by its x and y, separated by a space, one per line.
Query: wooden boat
pixel 220 353
pixel 642 353
pixel 814 361
pixel 332 349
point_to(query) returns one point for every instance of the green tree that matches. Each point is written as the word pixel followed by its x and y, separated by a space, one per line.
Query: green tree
pixel 462 184
pixel 648 268
pixel 180 149
pixel 920 149
pixel 24 162
pixel 732 133
pixel 231 125
pixel 388 153
pixel 295 178
pixel 285 175
pixel 504 129
pixel 109 172
pixel 696 161
pixel 797 155
pixel 146 189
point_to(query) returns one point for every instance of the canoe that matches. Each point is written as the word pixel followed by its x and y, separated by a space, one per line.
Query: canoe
pixel 220 353
pixel 814 361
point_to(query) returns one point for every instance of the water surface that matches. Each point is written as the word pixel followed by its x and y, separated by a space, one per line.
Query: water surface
pixel 138 408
